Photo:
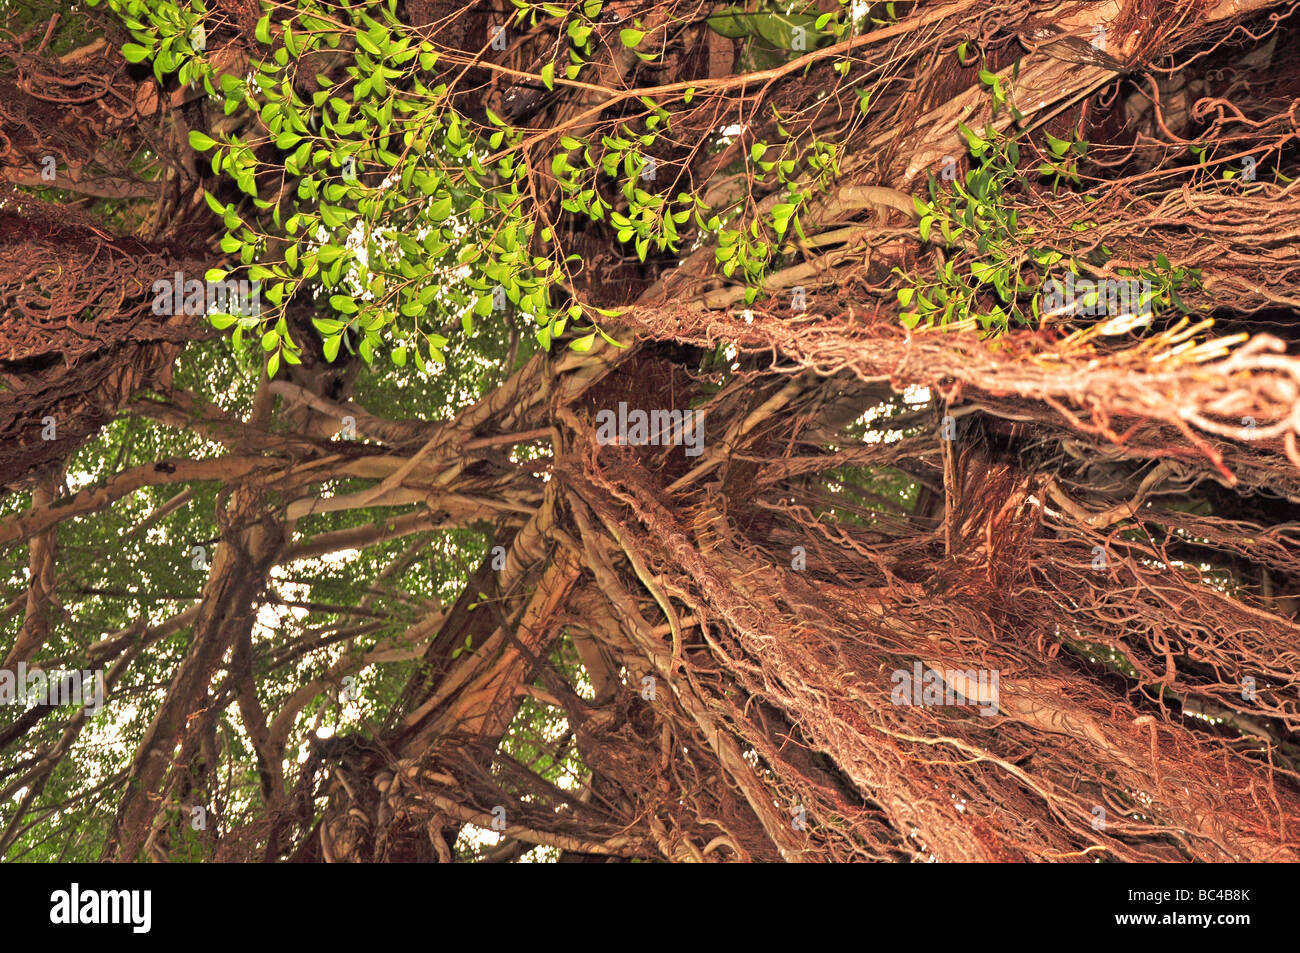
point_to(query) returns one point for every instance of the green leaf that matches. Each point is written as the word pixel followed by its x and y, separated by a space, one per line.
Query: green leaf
pixel 578 32
pixel 343 304
pixel 328 326
pixel 631 38
pixel 584 343
pixel 977 145
pixel 201 142
pixel 134 52
pixel 548 75
pixel 796 32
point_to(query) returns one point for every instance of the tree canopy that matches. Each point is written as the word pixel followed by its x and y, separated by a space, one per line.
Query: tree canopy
pixel 594 431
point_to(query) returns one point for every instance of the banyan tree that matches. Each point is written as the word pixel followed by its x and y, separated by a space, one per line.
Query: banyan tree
pixel 803 431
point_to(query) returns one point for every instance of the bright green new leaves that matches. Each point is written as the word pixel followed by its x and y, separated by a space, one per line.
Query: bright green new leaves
pixel 395 213
pixel 993 272
pixel 748 245
pixel 367 190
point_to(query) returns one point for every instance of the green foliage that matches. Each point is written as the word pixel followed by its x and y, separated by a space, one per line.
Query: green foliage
pixel 402 208
pixel 803 172
pixel 112 574
pixel 796 32
pixel 370 192
pixel 995 268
